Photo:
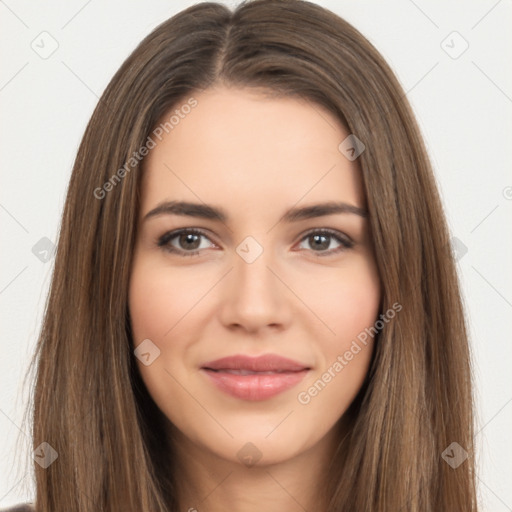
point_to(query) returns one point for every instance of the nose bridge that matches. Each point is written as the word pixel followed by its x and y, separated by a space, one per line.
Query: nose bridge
pixel 255 297
pixel 251 270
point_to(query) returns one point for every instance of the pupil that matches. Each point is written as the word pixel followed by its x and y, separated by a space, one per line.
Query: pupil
pixel 323 245
pixel 187 238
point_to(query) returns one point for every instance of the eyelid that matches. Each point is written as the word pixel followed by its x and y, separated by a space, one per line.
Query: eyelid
pixel 333 232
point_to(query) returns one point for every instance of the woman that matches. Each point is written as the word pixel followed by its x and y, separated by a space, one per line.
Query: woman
pixel 310 352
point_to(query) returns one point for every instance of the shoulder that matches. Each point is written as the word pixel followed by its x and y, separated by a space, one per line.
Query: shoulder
pixel 22 507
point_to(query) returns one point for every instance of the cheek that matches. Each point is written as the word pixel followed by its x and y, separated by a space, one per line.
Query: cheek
pixel 158 303
pixel 165 307
pixel 158 300
pixel 349 306
pixel 348 301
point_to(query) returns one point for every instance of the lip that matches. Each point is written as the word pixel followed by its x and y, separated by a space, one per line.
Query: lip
pixel 255 378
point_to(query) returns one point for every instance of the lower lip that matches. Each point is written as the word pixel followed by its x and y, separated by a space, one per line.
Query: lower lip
pixel 255 387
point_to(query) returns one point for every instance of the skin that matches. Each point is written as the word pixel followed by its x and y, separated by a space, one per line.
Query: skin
pixel 255 157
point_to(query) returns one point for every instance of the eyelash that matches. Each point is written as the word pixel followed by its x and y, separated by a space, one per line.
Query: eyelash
pixel 163 241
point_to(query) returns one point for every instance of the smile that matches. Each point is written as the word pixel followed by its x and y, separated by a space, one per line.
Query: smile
pixel 254 378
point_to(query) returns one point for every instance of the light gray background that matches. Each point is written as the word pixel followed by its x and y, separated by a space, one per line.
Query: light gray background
pixel 463 106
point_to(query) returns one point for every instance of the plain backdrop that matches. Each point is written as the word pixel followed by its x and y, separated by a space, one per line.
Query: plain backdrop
pixel 452 58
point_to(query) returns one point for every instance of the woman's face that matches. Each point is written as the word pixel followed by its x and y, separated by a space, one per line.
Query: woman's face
pixel 273 276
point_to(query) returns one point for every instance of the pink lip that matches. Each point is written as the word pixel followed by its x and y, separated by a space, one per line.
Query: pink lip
pixel 269 375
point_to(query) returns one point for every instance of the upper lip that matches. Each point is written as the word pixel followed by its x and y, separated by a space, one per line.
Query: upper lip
pixel 264 363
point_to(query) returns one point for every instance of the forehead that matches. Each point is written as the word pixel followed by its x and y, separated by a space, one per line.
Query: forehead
pixel 238 145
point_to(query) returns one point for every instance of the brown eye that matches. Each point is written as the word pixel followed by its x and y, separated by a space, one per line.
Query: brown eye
pixel 186 242
pixel 320 241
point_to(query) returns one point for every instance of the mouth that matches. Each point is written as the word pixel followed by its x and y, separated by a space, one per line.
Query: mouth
pixel 250 372
pixel 254 379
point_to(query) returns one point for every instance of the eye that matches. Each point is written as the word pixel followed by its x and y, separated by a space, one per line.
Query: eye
pixel 188 241
pixel 321 239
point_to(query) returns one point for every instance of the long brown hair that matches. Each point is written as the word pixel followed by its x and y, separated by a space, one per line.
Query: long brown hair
pixel 90 404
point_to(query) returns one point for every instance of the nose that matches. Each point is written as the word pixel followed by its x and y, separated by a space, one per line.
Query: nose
pixel 254 296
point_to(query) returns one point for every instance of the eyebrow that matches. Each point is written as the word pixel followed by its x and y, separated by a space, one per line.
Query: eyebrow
pixel 205 211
